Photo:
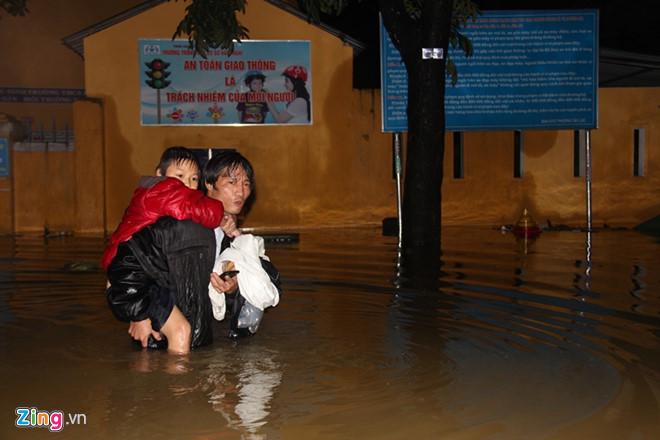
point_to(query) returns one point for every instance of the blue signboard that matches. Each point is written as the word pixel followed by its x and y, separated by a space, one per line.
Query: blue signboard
pixel 260 82
pixel 393 85
pixel 530 70
pixel 4 157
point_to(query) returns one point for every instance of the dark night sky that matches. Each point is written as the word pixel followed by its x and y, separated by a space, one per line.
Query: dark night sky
pixel 629 25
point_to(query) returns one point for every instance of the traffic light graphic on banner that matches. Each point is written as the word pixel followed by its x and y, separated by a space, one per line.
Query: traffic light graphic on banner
pixel 157 74
pixel 157 79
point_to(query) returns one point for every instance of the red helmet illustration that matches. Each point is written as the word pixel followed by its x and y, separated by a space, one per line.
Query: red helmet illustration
pixel 296 72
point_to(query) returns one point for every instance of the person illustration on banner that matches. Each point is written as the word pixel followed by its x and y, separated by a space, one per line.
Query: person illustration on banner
pixel 251 110
pixel 297 111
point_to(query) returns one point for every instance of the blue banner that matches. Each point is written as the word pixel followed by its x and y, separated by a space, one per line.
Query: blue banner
pixel 393 85
pixel 530 70
pixel 4 157
pixel 261 82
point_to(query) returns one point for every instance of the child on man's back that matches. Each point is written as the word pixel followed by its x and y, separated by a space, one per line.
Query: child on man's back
pixel 157 196
pixel 136 290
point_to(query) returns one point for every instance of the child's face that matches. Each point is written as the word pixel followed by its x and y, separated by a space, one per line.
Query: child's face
pixel 256 85
pixel 186 171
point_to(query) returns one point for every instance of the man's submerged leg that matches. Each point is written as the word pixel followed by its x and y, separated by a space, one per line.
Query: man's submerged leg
pixel 135 297
pixel 190 251
pixel 177 331
pixel 178 256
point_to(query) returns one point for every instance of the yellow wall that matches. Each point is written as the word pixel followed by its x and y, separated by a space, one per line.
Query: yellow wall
pixel 337 171
pixel 41 191
pixel 490 195
pixel 33 54
pixel 88 186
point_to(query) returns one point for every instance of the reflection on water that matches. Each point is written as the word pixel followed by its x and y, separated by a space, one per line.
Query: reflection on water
pixel 554 338
pixel 243 400
pixel 238 386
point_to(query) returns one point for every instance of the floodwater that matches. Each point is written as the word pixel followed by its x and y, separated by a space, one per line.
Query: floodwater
pixel 536 340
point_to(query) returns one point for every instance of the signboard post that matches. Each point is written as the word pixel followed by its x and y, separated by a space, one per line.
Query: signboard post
pixel 394 90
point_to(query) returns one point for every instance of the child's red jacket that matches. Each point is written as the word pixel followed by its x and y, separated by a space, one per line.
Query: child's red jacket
pixel 158 197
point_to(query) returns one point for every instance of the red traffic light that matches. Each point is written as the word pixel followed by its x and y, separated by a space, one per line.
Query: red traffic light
pixel 157 64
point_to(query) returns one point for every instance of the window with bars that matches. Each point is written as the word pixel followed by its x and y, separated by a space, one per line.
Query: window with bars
pixel 639 147
pixel 518 168
pixel 579 148
pixel 458 155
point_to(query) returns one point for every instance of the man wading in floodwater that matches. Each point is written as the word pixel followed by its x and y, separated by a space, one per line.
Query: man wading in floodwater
pixel 165 266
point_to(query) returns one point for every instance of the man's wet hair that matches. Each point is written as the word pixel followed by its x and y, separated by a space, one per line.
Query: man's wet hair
pixel 223 164
pixel 176 155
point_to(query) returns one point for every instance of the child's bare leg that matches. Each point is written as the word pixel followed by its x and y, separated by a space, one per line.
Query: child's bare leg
pixel 177 330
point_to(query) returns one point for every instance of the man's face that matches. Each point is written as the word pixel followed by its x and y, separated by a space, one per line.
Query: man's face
pixel 184 170
pixel 232 188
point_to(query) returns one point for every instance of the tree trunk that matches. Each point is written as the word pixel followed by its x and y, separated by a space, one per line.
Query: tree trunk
pixel 425 150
